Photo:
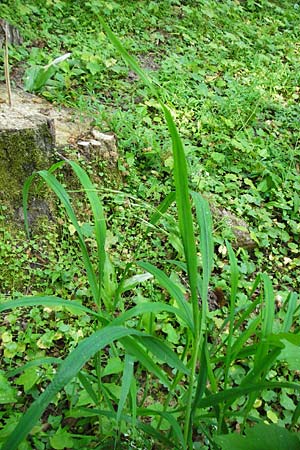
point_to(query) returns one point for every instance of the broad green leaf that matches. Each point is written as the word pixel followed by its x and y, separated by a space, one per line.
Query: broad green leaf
pixel 133 281
pixel 61 439
pixel 114 365
pixel 290 354
pixel 260 437
pixel 28 378
pixel 172 333
pixel 36 77
pixel 7 393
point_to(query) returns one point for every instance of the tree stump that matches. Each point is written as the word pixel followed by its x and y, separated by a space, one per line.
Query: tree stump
pixel 26 145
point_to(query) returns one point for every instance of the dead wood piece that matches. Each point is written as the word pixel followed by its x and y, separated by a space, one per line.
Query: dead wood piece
pixel 238 226
pixel 10 32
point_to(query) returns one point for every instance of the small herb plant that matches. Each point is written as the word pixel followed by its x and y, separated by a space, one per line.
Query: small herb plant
pixel 36 77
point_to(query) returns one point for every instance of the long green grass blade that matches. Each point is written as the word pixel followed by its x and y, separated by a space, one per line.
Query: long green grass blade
pixel 133 401
pixel 169 418
pixel 202 376
pixel 229 395
pixel 136 350
pixel 163 353
pixel 99 218
pixel 296 415
pixel 265 365
pixel 240 341
pixel 173 290
pixel 147 429
pixel 185 219
pixel 132 63
pixel 180 169
pixel 48 301
pixel 132 282
pixel 148 307
pixel 61 193
pixel 34 363
pixel 269 309
pixel 88 387
pixel 289 316
pixel 261 355
pixel 204 220
pixel 183 207
pixel 100 226
pixel 246 313
pixel 234 279
pixel 127 379
pixel 162 208
pixel 69 368
pixel 25 191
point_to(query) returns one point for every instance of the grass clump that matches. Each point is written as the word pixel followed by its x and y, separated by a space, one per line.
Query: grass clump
pixel 154 366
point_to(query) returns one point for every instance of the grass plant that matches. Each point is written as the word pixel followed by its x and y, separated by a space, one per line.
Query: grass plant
pixel 196 391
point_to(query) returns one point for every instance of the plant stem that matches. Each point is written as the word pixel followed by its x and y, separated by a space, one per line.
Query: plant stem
pixel 6 69
pixel 188 426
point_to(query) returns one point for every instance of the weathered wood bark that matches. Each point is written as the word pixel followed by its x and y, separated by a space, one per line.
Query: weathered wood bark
pixel 26 145
pixel 10 32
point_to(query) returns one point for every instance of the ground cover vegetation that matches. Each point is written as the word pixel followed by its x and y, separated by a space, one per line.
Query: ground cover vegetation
pixel 119 347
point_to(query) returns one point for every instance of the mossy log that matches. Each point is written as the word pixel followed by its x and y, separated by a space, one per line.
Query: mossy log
pixel 26 145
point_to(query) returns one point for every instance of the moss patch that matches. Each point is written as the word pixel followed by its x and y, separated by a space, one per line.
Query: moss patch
pixel 26 145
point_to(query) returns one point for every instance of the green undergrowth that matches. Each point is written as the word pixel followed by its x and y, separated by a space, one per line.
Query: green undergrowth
pixel 119 352
pixel 229 69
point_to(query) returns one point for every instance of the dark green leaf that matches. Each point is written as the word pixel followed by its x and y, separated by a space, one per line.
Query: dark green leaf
pixel 260 437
